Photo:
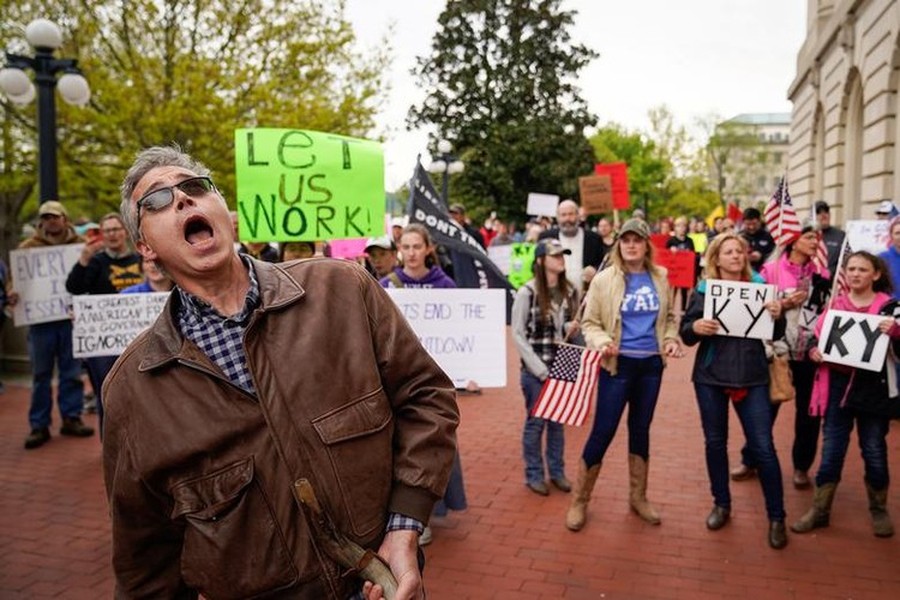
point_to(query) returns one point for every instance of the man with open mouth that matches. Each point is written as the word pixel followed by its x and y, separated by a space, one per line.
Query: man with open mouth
pixel 257 380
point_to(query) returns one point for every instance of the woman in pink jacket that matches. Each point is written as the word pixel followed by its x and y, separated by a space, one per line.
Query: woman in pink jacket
pixel 848 396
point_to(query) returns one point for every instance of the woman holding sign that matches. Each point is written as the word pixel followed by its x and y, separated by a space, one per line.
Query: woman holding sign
pixel 628 317
pixel 803 287
pixel 734 369
pixel 420 270
pixel 848 396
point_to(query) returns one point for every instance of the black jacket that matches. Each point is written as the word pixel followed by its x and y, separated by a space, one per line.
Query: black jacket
pixel 761 241
pixel 105 274
pixel 593 248
pixel 725 361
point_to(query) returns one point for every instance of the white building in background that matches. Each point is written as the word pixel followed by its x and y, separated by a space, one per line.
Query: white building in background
pixel 756 164
pixel 844 125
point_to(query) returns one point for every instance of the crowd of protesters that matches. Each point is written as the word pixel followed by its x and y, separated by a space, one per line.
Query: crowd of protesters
pixel 599 285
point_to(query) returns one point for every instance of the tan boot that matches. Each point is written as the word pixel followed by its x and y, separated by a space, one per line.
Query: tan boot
pixel 820 513
pixel 637 498
pixel 881 520
pixel 577 513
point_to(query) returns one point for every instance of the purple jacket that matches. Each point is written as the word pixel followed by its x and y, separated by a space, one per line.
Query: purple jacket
pixel 435 278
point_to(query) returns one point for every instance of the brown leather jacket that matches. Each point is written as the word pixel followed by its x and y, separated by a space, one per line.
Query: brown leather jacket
pixel 199 474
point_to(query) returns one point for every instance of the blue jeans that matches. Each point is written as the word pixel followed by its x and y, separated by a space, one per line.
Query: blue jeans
pixel 636 384
pixel 531 436
pixel 50 344
pixel 806 428
pixel 755 414
pixel 871 431
pixel 98 368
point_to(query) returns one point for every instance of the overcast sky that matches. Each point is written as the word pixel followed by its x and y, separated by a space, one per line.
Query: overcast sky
pixel 698 57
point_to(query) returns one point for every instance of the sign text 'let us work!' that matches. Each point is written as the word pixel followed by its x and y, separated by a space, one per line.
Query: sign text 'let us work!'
pixel 295 185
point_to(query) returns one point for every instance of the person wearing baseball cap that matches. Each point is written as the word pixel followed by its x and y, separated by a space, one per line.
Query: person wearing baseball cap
pixel 458 213
pixel 886 211
pixel 544 313
pixel 382 255
pixel 50 345
pixel 629 318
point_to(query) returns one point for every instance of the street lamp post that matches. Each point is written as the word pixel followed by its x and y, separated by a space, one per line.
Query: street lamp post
pixel 45 37
pixel 447 165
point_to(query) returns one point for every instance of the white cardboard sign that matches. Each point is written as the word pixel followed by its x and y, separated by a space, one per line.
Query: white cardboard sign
pixel 39 277
pixel 542 205
pixel 501 256
pixel 739 307
pixel 853 339
pixel 871 236
pixel 464 330
pixel 104 324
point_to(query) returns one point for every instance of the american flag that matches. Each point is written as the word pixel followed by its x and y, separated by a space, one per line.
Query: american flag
pixel 820 260
pixel 821 257
pixel 840 279
pixel 781 218
pixel 571 386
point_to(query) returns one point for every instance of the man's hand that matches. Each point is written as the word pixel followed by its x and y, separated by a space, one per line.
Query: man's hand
pixel 399 551
pixel 89 250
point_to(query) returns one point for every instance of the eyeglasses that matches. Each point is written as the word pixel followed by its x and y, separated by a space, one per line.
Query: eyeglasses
pixel 155 201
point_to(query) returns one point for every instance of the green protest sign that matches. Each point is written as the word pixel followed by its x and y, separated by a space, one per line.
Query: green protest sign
pixel 520 264
pixel 295 185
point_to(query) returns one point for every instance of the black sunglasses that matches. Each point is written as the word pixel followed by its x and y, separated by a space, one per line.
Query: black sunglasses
pixel 157 200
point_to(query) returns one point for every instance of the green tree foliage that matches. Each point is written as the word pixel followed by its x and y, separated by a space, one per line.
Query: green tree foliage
pixel 500 82
pixel 648 171
pixel 732 151
pixel 186 71
pixel 664 173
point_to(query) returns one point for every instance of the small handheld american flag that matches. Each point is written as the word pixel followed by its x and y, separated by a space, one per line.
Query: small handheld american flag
pixel 781 218
pixel 570 387
pixel 840 285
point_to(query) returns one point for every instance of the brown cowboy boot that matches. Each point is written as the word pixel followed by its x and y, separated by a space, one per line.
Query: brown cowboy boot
pixel 637 498
pixel 820 513
pixel 881 520
pixel 577 513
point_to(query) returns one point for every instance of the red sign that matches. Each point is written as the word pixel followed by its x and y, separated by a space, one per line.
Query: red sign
pixel 680 265
pixel 659 240
pixel 618 174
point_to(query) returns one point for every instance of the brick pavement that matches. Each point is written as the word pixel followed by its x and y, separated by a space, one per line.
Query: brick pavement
pixel 510 543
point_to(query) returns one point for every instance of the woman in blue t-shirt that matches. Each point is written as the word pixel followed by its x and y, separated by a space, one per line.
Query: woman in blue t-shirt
pixel 629 318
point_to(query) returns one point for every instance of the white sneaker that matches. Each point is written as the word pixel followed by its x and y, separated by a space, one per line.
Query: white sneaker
pixel 425 538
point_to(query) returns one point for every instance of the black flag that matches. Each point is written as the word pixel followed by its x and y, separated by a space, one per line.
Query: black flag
pixel 471 266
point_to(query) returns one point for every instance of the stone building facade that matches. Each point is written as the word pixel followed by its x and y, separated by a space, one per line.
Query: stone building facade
pixel 844 125
pixel 757 161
